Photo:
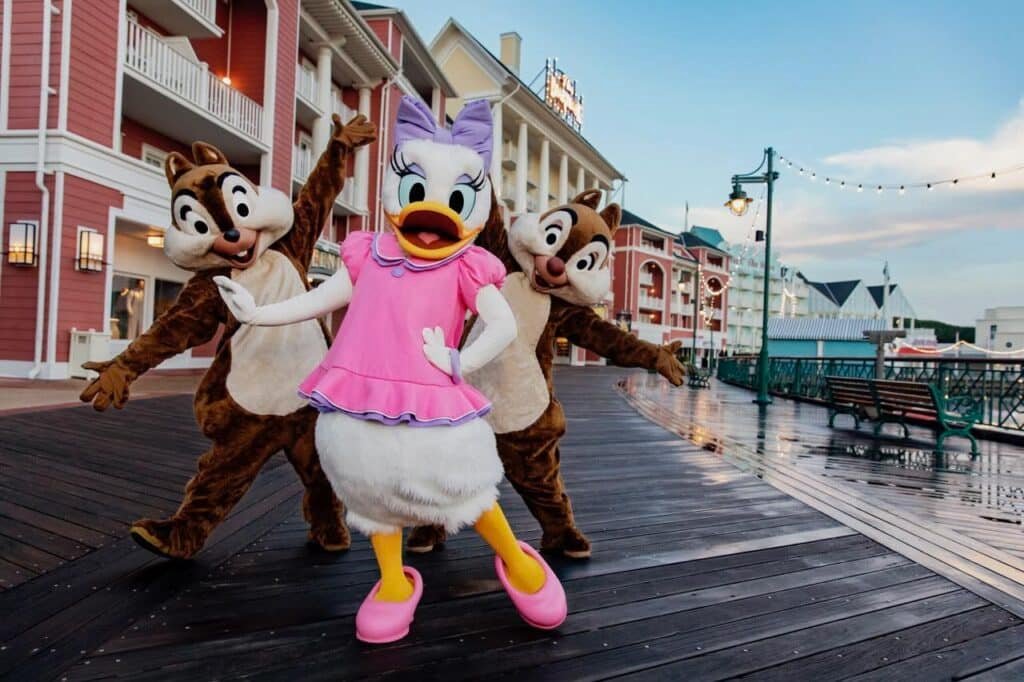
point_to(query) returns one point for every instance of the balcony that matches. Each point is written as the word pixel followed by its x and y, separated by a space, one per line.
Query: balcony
pixel 191 18
pixel 169 92
pixel 650 332
pixel 648 302
pixel 307 110
pixel 303 161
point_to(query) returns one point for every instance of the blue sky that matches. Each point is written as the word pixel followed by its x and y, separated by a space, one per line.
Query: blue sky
pixel 680 95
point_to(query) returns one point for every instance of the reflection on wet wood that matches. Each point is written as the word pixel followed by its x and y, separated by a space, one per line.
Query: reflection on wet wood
pixel 700 570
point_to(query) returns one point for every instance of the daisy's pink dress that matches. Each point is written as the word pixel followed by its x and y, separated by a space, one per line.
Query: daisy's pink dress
pixel 376 368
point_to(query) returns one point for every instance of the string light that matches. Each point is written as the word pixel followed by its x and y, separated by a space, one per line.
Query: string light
pixel 959 344
pixel 902 188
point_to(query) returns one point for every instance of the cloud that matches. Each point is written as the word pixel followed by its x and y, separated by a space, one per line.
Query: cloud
pixel 927 160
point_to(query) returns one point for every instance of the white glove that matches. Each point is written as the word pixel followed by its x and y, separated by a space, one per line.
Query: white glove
pixel 439 354
pixel 238 299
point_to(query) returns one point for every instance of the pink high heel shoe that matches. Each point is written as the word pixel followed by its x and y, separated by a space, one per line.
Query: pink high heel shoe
pixel 545 609
pixel 380 622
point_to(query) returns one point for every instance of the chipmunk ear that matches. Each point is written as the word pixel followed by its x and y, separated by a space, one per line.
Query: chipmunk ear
pixel 589 197
pixel 176 165
pixel 612 216
pixel 206 154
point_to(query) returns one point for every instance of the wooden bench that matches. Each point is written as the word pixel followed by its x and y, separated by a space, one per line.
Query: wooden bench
pixel 849 396
pixel 698 377
pixel 893 402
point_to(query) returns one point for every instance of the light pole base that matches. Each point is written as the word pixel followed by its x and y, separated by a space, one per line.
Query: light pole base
pixel 766 400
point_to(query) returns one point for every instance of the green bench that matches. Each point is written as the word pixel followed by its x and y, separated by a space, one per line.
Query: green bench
pixel 893 402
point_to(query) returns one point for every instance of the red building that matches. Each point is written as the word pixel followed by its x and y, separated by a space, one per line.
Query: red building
pixel 93 95
pixel 653 284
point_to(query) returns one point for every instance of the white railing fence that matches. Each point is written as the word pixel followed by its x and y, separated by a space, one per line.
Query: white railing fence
pixel 149 56
pixel 305 83
pixel 651 302
pixel 303 161
pixel 205 8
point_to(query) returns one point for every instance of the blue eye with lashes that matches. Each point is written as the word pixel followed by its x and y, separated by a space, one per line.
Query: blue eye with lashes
pixel 411 188
pixel 462 200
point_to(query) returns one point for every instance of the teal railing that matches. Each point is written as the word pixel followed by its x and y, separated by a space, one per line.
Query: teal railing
pixel 998 383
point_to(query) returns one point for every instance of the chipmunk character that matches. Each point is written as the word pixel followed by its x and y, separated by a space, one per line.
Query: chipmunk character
pixel 400 435
pixel 560 266
pixel 246 404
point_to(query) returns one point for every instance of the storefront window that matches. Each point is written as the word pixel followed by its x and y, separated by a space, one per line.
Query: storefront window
pixel 562 347
pixel 164 295
pixel 127 307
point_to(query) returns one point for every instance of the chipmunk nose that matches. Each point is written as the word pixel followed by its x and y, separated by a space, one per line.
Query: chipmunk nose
pixel 555 266
pixel 232 235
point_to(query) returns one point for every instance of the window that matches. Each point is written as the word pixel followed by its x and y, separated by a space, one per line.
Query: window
pixel 127 306
pixel 153 156
pixel 164 295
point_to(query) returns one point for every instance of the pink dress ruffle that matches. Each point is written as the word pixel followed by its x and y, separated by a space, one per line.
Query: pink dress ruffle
pixel 392 402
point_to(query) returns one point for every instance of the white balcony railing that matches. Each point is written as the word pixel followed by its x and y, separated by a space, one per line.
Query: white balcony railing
pixel 339 108
pixel 302 165
pixel 651 302
pixel 646 279
pixel 305 84
pixel 151 58
pixel 207 9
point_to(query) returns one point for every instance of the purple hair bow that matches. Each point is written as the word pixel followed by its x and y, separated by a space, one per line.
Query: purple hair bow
pixel 473 127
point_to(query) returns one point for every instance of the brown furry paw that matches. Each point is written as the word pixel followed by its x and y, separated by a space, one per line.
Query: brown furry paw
pixel 164 538
pixel 331 537
pixel 424 539
pixel 570 542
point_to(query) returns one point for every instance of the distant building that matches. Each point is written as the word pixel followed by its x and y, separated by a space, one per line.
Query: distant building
pixel 1001 329
pixel 821 337
pixel 854 300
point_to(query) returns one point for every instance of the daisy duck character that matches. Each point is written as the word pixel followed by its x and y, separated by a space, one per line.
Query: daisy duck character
pixel 400 435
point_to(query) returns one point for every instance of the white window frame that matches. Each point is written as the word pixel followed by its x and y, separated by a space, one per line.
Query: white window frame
pixel 149 150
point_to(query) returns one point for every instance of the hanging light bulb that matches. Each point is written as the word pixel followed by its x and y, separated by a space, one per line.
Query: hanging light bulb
pixel 930 188
pixel 828 181
pixel 860 188
pixel 789 163
pixel 955 182
pixel 902 189
pixel 993 177
pixel 814 176
pixel 879 190
pixel 801 171
pixel 842 184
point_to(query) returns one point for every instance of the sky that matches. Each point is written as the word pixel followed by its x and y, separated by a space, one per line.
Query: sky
pixel 681 95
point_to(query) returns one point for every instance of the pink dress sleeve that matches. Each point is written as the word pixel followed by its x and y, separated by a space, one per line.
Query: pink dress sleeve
pixel 354 252
pixel 479 268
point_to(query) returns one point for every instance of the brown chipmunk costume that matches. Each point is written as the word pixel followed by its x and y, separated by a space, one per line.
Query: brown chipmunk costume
pixel 559 266
pixel 246 403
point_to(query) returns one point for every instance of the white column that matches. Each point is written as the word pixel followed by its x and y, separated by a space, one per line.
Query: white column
pixel 581 180
pixel 563 180
pixel 522 168
pixel 496 179
pixel 435 104
pixel 322 125
pixel 545 175
pixel 362 168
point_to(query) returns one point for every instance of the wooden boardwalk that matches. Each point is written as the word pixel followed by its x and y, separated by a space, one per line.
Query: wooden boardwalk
pixel 701 571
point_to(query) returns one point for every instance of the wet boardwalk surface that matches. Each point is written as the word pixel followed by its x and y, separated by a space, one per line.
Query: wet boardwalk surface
pixel 700 571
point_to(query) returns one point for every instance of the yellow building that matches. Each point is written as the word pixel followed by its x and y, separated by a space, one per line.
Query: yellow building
pixel 539 159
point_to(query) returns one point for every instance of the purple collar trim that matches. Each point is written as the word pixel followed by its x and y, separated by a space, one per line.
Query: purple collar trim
pixel 407 261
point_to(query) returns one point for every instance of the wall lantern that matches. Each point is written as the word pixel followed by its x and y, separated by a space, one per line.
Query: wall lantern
pixel 23 244
pixel 90 250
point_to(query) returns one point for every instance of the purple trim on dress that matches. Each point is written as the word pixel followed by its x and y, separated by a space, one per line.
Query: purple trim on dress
pixel 453 354
pixel 406 262
pixel 323 404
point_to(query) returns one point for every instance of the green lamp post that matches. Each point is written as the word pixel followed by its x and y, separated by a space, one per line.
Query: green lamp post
pixel 738 203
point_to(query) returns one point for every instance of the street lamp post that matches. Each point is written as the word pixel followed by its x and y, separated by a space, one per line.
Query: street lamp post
pixel 738 203
pixel 697 281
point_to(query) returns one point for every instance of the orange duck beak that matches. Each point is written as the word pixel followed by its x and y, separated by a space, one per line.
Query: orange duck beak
pixel 430 230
